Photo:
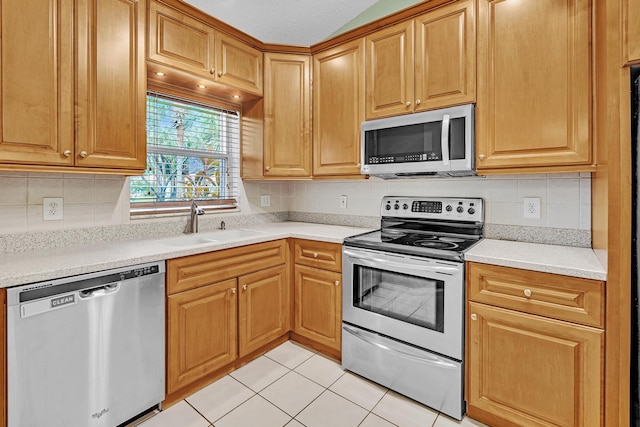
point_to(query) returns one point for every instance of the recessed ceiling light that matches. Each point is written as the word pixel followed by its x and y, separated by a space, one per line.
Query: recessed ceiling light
pixel 160 73
pixel 202 86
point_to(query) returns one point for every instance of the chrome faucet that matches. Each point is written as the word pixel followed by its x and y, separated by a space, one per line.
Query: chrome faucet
pixel 195 212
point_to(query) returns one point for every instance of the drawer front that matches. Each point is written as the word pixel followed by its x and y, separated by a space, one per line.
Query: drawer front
pixel 327 256
pixel 198 270
pixel 560 297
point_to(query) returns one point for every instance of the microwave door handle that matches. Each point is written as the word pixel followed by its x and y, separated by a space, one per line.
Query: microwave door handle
pixel 444 141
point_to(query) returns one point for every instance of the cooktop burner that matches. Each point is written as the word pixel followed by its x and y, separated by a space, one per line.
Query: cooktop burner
pixel 438 228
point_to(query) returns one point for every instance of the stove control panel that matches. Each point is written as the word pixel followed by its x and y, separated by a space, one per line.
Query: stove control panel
pixel 457 209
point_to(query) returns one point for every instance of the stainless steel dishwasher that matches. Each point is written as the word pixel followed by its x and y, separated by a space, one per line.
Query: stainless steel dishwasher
pixel 87 350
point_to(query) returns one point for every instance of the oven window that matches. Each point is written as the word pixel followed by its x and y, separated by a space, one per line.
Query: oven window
pixel 411 299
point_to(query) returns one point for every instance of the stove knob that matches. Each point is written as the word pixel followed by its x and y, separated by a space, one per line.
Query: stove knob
pixel 405 206
pixel 471 211
pixel 396 206
pixel 388 207
pixel 460 209
pixel 449 208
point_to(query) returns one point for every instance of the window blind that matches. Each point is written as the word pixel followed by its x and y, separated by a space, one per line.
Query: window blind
pixel 192 154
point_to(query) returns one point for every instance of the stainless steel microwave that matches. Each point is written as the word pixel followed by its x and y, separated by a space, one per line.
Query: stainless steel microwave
pixel 433 143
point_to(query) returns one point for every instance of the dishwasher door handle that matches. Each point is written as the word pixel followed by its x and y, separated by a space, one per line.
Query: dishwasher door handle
pixel 98 291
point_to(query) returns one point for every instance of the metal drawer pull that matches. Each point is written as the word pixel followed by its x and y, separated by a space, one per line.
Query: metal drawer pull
pixel 244 287
pixel 527 293
pixel 233 291
pixel 83 154
pixel 337 283
pixel 66 153
pixel 315 254
pixel 474 316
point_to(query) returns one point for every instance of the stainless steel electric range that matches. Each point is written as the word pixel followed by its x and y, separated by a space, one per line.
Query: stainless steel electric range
pixel 403 302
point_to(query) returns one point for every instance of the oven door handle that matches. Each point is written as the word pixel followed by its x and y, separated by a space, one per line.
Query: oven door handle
pixel 426 359
pixel 377 262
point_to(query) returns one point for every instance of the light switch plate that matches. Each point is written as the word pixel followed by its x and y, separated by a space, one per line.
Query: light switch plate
pixel 343 202
pixel 52 209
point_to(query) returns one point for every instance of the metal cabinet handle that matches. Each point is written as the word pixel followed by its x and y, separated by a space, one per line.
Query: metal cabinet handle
pixel 219 73
pixel 66 153
pixel 481 156
pixel 267 168
pixel 527 293
pixel 418 102
pixel 83 154
pixel 233 291
pixel 244 287
pixel 315 254
pixel 474 317
pixel 212 70
pixel 337 283
pixel 408 104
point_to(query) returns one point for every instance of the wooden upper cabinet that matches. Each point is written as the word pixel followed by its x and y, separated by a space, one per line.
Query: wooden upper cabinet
pixel 36 82
pixel 180 41
pixel 534 84
pixel 422 64
pixel 389 75
pixel 188 44
pixel 111 92
pixel 238 65
pixel 445 57
pixel 287 115
pixel 630 31
pixel 338 109
pixel 73 91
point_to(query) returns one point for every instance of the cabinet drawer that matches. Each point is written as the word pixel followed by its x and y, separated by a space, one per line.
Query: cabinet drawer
pixel 560 297
pixel 199 270
pixel 327 256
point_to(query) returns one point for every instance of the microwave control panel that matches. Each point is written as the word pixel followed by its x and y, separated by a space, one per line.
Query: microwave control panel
pixel 406 158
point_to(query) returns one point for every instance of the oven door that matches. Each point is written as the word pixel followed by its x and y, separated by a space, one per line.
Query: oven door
pixel 413 299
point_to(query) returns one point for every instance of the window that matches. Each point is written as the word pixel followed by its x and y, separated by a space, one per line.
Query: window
pixel 192 154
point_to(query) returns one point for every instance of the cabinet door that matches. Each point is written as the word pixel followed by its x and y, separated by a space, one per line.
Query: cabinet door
pixel 534 83
pixel 338 109
pixel 36 82
pixel 264 308
pixel 287 115
pixel 201 332
pixel 445 57
pixel 180 41
pixel 111 79
pixel 318 305
pixel 238 64
pixel 389 75
pixel 631 31
pixel 527 370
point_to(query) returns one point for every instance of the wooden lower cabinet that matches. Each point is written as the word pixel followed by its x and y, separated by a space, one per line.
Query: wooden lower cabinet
pixel 201 332
pixel 263 308
pixel 318 305
pixel 529 370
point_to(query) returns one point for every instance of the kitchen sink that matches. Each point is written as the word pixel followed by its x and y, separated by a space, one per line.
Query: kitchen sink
pixel 197 239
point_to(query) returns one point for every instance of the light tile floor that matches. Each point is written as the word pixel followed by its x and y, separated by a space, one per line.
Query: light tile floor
pixel 294 386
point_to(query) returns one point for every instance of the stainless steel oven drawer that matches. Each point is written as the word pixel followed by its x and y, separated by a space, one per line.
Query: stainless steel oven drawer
pixel 430 379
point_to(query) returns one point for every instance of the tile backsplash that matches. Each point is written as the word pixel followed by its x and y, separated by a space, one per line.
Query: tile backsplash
pixel 565 198
pixel 97 200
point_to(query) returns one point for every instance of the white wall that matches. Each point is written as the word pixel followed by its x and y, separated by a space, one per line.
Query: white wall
pixel 94 200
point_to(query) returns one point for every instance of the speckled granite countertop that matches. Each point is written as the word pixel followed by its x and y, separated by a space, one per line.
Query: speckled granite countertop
pixel 564 260
pixel 33 266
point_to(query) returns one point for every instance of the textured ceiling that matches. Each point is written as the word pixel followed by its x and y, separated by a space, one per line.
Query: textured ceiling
pixel 289 22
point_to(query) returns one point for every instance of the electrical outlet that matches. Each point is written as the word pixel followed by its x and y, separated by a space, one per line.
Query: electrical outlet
pixel 52 208
pixel 343 202
pixel 531 207
pixel 265 200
